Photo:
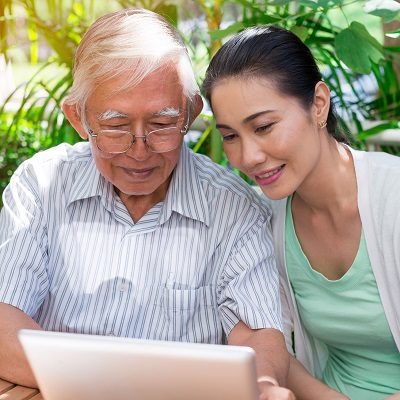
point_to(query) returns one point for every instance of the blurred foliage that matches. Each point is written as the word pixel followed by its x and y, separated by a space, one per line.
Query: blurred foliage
pixel 19 144
pixel 349 55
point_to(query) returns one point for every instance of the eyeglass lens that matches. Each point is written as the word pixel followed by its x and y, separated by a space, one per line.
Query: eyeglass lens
pixel 159 141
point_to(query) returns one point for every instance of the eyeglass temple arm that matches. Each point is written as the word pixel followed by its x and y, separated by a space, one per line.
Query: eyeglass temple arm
pixel 186 126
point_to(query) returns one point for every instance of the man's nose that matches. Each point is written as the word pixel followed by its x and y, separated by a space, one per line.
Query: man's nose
pixel 139 150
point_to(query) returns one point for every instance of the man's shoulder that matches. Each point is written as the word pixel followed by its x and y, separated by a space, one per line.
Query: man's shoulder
pixel 61 162
pixel 56 157
pixel 63 153
pixel 219 180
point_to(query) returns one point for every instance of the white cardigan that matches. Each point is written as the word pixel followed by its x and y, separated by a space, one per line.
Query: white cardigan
pixel 378 180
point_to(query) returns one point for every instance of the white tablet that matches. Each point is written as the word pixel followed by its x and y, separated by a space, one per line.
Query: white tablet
pixel 70 366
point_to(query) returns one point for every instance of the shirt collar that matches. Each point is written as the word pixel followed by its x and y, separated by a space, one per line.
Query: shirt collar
pixel 185 194
pixel 88 182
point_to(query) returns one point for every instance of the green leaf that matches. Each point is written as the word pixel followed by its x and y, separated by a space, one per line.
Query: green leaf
pixel 316 4
pixel 34 47
pixel 393 34
pixel 387 9
pixel 168 11
pixel 279 2
pixel 301 32
pixel 230 30
pixel 357 48
pixel 377 129
pixel 202 138
pixel 78 9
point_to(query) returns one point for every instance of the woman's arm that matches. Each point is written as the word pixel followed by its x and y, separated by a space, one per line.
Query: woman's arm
pixel 306 387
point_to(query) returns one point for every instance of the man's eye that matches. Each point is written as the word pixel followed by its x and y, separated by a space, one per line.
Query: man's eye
pixel 161 125
pixel 120 127
pixel 114 133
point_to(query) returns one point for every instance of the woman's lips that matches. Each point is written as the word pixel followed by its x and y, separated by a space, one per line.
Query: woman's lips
pixel 270 176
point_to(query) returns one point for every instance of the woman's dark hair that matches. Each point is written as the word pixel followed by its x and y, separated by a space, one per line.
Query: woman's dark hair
pixel 276 54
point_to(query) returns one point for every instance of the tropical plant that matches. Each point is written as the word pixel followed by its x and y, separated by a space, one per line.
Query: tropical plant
pixel 348 53
pixel 61 25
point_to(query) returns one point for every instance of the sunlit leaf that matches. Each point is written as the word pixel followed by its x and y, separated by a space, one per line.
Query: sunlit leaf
pixel 78 9
pixel 378 129
pixel 393 34
pixel 168 11
pixel 280 2
pixel 357 48
pixel 230 30
pixel 33 38
pixel 301 32
pixel 316 4
pixel 387 9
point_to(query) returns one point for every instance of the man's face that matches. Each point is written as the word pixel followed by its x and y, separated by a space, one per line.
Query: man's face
pixel 157 102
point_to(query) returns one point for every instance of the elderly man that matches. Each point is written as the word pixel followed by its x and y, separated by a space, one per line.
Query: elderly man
pixel 132 234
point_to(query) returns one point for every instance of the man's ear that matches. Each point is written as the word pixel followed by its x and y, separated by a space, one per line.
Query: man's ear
pixel 195 108
pixel 74 118
pixel 322 101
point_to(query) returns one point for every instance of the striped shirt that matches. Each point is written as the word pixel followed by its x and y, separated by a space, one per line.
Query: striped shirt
pixel 197 263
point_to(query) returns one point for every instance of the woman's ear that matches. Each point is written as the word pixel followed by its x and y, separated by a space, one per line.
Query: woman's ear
pixel 322 101
pixel 74 118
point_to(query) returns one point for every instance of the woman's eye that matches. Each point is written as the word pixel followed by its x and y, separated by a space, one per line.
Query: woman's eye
pixel 229 138
pixel 264 128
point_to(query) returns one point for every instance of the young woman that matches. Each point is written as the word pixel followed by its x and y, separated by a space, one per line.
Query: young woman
pixel 336 215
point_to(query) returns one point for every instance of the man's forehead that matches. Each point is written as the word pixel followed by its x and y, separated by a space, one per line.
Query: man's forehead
pixel 164 112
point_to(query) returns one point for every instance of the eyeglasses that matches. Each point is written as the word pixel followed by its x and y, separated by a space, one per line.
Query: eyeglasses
pixel 158 141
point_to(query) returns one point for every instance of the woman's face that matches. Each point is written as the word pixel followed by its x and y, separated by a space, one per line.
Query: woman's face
pixel 268 136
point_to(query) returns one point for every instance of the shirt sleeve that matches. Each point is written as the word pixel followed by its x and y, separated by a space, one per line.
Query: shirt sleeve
pixel 250 286
pixel 23 239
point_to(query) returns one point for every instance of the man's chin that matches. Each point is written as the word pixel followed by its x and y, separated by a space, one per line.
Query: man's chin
pixel 156 193
pixel 131 191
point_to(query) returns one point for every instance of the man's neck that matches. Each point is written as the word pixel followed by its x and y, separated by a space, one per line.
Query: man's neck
pixel 139 205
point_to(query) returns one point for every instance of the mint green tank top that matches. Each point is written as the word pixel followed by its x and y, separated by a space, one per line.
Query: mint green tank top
pixel 347 316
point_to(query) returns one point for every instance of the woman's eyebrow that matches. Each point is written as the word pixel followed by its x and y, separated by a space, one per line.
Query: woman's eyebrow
pixel 247 119
pixel 255 115
pixel 223 126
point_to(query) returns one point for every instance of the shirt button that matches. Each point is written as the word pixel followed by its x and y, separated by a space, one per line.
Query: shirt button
pixel 123 287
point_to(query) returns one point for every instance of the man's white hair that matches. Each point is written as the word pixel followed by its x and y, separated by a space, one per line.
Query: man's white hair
pixel 133 41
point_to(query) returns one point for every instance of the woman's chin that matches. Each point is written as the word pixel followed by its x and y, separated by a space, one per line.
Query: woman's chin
pixel 274 194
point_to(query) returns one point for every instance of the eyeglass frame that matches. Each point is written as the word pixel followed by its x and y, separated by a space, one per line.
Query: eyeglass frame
pixel 92 134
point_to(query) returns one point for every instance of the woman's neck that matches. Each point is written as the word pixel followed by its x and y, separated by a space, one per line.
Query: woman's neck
pixel 332 186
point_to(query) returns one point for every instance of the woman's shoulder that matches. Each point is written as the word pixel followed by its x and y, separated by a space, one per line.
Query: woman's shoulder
pixel 378 160
pixel 378 178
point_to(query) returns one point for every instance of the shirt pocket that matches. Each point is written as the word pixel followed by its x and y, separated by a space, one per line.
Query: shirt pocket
pixel 192 315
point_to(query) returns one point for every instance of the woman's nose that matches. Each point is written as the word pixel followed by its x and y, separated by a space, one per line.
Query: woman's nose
pixel 253 153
